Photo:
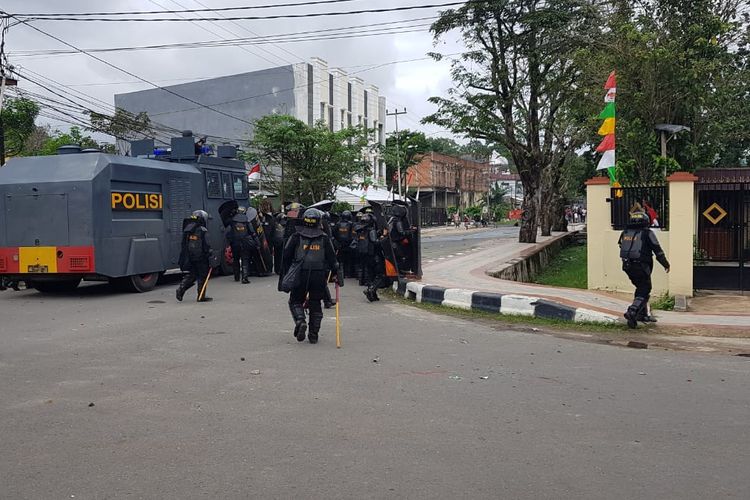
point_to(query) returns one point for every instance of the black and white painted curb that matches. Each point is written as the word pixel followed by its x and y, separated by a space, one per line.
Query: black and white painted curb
pixel 518 305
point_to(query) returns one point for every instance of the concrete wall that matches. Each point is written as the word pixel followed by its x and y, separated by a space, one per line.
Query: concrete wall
pixel 248 96
pixel 604 264
pixel 529 264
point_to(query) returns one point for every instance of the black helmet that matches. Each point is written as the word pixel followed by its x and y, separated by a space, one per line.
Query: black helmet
pixel 638 219
pixel 311 223
pixel 201 215
pixel 312 217
pixel 398 211
pixel 346 215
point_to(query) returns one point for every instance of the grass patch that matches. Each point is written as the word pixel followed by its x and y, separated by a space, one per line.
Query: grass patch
pixel 511 319
pixel 663 302
pixel 568 269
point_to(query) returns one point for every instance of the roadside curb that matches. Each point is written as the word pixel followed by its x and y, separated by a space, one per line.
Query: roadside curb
pixel 518 305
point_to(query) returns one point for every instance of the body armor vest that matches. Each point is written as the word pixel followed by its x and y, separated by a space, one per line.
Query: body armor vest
pixel 194 234
pixel 631 244
pixel 311 251
pixel 344 233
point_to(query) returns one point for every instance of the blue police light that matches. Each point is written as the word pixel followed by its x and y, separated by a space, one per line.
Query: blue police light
pixel 160 152
pixel 207 150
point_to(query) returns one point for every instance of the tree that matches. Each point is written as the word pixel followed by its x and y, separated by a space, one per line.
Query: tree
pixel 411 145
pixel 679 62
pixel 122 125
pixel 58 139
pixel 18 117
pixel 514 84
pixel 314 160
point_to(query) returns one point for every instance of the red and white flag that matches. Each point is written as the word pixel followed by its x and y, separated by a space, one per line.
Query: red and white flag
pixel 253 173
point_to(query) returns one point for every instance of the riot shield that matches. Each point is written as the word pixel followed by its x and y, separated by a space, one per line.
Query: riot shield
pixel 263 259
pixel 226 210
pixel 415 219
pixel 391 263
pixel 323 205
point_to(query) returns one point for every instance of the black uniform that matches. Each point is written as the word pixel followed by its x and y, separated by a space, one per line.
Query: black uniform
pixel 343 233
pixel 194 257
pixel 400 234
pixel 364 247
pixel 277 241
pixel 638 245
pixel 244 244
pixel 318 257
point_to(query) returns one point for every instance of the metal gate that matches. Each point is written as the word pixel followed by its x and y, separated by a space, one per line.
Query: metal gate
pixel 722 249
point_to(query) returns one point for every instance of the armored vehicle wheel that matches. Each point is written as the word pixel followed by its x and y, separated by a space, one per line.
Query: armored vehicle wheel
pixel 138 283
pixel 56 286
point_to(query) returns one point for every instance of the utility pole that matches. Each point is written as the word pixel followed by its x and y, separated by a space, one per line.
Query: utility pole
pixel 395 114
pixel 5 82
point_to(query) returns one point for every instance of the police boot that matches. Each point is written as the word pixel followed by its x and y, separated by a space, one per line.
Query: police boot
pixel 634 311
pixel 245 272
pixel 182 288
pixel 298 315
pixel 328 302
pixel 315 320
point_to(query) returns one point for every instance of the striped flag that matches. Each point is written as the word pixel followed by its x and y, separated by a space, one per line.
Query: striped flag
pixel 607 130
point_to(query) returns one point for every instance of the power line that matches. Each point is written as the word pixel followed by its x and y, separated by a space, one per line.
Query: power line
pixel 217 9
pixel 240 42
pixel 25 18
pixel 133 74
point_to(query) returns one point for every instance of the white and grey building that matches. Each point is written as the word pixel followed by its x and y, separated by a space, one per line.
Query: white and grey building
pixel 308 91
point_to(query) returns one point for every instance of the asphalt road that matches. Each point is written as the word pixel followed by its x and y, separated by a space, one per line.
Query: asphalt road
pixel 453 241
pixel 415 405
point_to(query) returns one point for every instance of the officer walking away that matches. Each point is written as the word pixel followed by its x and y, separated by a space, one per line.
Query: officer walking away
pixel 243 242
pixel 638 244
pixel 344 235
pixel 312 248
pixel 195 254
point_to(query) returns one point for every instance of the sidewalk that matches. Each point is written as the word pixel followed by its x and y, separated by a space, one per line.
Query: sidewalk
pixel 468 273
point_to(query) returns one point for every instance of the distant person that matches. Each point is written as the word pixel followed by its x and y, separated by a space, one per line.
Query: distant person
pixel 638 245
pixel 199 146
pixel 652 214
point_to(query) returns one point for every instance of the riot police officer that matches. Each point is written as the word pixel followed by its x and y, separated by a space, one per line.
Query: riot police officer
pixel 243 241
pixel 194 255
pixel 343 233
pixel 364 247
pixel 312 248
pixel 400 234
pixel 638 244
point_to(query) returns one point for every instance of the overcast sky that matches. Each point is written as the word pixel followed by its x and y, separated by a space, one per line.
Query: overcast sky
pixel 407 84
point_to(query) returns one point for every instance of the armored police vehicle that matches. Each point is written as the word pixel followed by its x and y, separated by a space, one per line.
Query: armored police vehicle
pixel 85 215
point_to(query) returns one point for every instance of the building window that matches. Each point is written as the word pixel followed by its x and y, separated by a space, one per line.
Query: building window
pixel 330 118
pixel 380 133
pixel 349 119
pixel 323 111
pixel 365 103
pixel 330 89
pixel 349 97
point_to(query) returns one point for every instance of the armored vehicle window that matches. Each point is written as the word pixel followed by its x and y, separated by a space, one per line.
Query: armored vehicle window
pixel 213 184
pixel 240 187
pixel 226 185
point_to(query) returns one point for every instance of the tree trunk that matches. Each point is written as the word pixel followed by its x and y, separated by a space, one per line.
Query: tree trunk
pixel 545 219
pixel 528 230
pixel 557 215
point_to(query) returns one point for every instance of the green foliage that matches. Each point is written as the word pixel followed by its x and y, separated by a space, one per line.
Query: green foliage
pixel 315 160
pixel 474 212
pixel 515 86
pixel 678 62
pixel 663 302
pixel 58 139
pixel 18 117
pixel 341 206
pixel 451 210
pixel 568 269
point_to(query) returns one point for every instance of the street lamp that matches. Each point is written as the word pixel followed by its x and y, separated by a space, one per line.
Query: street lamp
pixel 668 131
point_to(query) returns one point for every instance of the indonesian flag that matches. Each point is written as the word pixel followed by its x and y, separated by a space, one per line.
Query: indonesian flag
pixel 253 173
